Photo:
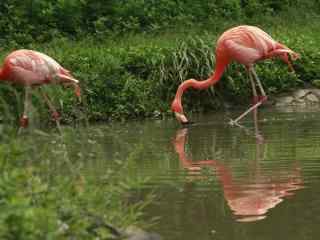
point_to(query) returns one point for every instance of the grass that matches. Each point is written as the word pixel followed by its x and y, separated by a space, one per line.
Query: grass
pixel 136 75
pixel 48 190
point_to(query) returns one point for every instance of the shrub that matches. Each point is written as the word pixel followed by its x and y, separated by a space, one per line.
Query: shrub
pixel 43 20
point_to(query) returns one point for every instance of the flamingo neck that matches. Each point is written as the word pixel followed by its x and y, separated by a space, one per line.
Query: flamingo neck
pixel 280 46
pixel 225 177
pixel 179 144
pixel 213 79
pixel 223 173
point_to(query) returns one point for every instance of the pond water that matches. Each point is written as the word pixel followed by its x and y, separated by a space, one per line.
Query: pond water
pixel 212 180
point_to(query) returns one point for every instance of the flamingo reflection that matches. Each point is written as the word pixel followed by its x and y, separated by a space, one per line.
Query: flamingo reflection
pixel 249 198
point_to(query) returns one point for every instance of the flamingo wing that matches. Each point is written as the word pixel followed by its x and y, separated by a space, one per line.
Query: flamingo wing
pixel 241 53
pixel 25 67
pixel 57 72
pixel 24 76
pixel 32 68
pixel 246 44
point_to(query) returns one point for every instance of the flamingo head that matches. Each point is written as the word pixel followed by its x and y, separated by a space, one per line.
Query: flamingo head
pixel 77 89
pixel 285 58
pixel 176 107
pixel 284 54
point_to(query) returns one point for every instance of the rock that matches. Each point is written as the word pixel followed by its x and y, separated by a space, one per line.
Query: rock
pixel 135 233
pixel 300 103
pixel 157 114
pixel 288 100
pixel 300 93
pixel 312 98
pixel 300 100
pixel 316 92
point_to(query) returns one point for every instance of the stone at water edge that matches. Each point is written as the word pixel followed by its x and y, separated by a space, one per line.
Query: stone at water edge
pixel 316 92
pixel 300 93
pixel 135 233
pixel 282 101
pixel 312 98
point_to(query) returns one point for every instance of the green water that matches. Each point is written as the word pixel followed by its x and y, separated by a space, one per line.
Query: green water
pixel 220 182
pixel 210 180
pixel 213 181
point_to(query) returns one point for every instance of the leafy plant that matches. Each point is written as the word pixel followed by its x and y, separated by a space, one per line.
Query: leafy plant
pixel 46 194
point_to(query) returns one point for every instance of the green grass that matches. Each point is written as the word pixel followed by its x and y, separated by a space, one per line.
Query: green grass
pixel 49 191
pixel 136 75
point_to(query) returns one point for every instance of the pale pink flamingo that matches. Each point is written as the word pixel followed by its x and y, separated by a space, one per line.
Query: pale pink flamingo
pixel 245 45
pixel 31 68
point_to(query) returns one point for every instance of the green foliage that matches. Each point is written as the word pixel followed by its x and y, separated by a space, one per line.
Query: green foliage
pixel 43 20
pixel 47 193
pixel 136 75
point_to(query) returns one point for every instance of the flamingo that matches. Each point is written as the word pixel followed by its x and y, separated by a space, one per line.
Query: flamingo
pixel 31 68
pixel 245 45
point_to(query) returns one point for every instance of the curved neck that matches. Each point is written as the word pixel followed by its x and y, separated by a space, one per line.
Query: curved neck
pixel 280 46
pixel 179 143
pixel 215 77
pixel 223 173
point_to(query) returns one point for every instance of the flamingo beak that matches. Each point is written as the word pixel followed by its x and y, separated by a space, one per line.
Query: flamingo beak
pixel 291 69
pixel 181 118
pixel 77 91
pixel 285 58
pixel 294 56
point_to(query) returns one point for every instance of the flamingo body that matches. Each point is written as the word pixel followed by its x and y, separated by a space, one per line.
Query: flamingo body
pixel 245 45
pixel 31 68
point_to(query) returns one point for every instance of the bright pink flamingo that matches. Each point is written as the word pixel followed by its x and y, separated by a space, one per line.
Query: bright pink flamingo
pixel 245 45
pixel 30 68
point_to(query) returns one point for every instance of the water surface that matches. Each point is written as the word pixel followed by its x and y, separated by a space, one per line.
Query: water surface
pixel 210 180
pixel 213 181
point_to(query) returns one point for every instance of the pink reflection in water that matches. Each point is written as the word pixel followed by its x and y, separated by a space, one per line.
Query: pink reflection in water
pixel 251 198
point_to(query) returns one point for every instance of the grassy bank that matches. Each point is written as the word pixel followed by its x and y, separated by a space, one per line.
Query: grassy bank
pixel 137 75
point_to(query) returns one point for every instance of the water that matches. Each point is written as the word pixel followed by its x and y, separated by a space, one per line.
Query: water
pixel 264 187
pixel 211 180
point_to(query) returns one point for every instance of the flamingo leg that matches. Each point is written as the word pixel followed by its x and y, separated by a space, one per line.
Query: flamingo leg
pixel 24 121
pixel 256 105
pixel 235 122
pixel 258 136
pixel 254 90
pixel 55 114
pixel 264 96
